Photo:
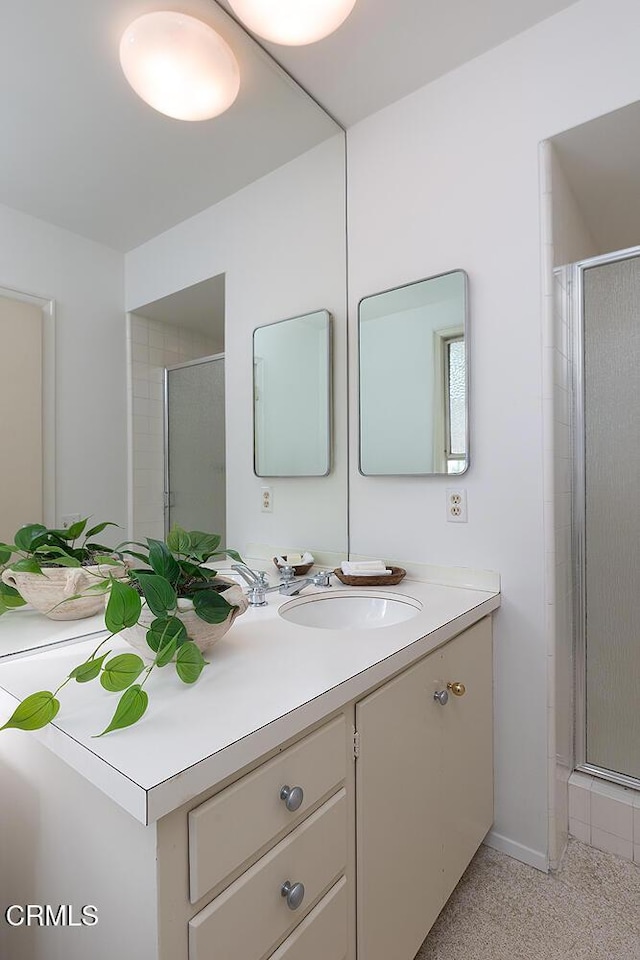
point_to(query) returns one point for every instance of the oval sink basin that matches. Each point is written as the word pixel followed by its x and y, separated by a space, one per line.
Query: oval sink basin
pixel 341 611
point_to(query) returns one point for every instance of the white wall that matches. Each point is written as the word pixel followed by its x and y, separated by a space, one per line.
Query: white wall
pixel 446 178
pixel 281 244
pixel 86 281
pixel 572 239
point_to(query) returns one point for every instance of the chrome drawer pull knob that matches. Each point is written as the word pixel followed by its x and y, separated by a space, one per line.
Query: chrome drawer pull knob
pixel 294 892
pixel 441 697
pixel 292 796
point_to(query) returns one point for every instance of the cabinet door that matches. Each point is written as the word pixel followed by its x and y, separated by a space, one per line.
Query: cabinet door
pixel 467 731
pixel 398 791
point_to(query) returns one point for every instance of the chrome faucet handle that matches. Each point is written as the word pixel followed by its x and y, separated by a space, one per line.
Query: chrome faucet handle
pixel 287 573
pixel 257 596
pixel 322 578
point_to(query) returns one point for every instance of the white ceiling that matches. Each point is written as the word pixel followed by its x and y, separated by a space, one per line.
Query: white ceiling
pixel 199 307
pixel 386 49
pixel 80 150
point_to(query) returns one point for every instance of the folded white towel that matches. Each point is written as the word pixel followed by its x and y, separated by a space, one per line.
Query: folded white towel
pixel 365 567
pixel 368 573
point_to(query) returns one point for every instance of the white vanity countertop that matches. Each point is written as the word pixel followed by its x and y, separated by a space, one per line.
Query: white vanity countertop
pixel 267 681
pixel 24 630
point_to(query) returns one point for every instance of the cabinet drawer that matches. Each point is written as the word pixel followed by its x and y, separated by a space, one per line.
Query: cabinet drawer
pixel 240 822
pixel 251 914
pixel 323 934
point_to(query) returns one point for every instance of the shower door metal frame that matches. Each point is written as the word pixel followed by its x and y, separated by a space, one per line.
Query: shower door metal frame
pixel 575 276
pixel 165 426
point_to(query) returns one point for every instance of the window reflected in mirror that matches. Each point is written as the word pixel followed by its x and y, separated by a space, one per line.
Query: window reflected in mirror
pixel 414 378
pixel 292 397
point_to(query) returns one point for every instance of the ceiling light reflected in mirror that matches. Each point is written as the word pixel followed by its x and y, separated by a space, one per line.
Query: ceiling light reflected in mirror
pixel 291 22
pixel 179 65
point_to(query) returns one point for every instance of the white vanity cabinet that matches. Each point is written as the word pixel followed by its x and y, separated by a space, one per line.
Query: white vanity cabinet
pixel 268 860
pixel 374 804
pixel 424 786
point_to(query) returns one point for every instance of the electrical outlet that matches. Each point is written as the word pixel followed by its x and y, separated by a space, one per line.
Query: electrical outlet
pixel 456 505
pixel 266 495
pixel 69 519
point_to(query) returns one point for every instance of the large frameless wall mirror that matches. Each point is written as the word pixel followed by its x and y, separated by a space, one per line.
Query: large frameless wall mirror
pixel 292 397
pixel 414 378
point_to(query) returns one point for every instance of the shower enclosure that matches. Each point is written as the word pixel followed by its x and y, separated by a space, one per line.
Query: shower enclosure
pixel 604 295
pixel 195 480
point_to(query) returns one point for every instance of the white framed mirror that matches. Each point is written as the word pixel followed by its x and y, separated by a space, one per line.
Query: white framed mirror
pixel 414 378
pixel 292 397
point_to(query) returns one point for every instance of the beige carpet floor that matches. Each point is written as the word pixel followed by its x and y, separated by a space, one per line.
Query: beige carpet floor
pixel 505 910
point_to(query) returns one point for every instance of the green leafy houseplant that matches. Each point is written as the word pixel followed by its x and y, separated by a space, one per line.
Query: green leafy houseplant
pixel 173 575
pixel 62 573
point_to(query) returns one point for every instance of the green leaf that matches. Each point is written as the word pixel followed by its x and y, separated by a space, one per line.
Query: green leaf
pixel 189 662
pixel 121 671
pixel 158 592
pixel 99 528
pixel 34 712
pixel 107 560
pixel 131 706
pixel 229 553
pixel 61 561
pixel 162 561
pixel 123 607
pixel 10 596
pixel 77 528
pixel 30 536
pixel 166 653
pixel 190 570
pixel 203 545
pixel 3 607
pixel 164 629
pixel 6 552
pixel 179 541
pixel 28 565
pixel 211 606
pixel 88 670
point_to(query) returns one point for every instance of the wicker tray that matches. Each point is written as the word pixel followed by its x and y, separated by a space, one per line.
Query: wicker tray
pixel 299 569
pixel 397 574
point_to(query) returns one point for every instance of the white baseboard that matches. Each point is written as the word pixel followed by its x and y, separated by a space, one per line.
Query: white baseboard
pixel 534 858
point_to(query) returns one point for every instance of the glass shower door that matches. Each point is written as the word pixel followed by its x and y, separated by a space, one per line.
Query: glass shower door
pixel 611 553
pixel 195 481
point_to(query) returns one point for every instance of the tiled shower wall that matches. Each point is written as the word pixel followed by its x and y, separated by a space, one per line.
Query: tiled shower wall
pixel 154 346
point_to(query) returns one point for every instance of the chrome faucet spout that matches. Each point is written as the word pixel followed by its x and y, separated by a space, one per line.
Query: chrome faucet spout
pixel 252 577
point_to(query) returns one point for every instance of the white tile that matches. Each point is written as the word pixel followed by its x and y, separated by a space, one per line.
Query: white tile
pixel 611 844
pixel 141 425
pixel 141 388
pixel 636 853
pixel 579 803
pixel 156 391
pixel 139 331
pixel 636 821
pixel 140 353
pixel 156 337
pixel 611 815
pixel 579 830
pixel 140 371
pixel 156 357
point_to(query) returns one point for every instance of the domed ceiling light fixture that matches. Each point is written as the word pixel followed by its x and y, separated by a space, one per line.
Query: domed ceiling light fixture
pixel 179 65
pixel 293 22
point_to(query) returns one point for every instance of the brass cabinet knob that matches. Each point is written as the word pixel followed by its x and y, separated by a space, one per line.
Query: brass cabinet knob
pixel 457 689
